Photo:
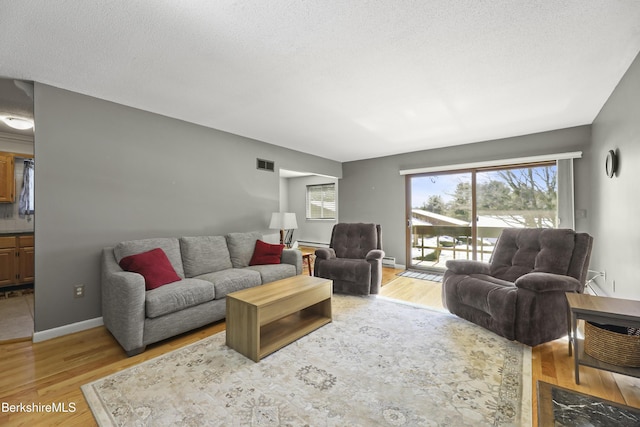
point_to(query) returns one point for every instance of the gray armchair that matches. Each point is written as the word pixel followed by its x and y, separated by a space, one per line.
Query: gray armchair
pixel 520 293
pixel 353 260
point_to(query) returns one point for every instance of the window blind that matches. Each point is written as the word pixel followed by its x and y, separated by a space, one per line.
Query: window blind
pixel 321 201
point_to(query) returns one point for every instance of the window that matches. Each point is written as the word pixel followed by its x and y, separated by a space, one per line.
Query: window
pixel 26 201
pixel 321 201
pixel 459 214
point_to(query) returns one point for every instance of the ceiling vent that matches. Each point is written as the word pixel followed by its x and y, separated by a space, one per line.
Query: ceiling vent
pixel 265 165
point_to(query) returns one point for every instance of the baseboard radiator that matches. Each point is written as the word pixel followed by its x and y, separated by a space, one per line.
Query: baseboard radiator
pixel 389 261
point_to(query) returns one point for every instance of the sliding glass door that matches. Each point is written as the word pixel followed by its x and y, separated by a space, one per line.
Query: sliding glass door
pixel 441 212
pixel 459 215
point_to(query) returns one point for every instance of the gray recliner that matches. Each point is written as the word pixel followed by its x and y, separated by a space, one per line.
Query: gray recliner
pixel 520 293
pixel 353 260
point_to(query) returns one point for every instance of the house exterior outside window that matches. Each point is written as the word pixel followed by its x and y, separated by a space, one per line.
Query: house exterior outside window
pixel 321 201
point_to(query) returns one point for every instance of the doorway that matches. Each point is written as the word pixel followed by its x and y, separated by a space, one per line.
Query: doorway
pixel 17 278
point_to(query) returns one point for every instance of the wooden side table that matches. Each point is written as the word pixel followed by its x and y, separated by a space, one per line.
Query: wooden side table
pixel 603 310
pixel 306 256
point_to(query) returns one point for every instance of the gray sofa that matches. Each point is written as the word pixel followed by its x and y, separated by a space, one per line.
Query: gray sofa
pixel 520 293
pixel 209 267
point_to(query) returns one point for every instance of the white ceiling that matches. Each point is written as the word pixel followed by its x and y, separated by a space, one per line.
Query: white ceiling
pixel 342 80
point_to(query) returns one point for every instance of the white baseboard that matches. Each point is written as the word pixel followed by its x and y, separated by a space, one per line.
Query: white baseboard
pixel 67 329
pixel 400 266
pixel 313 244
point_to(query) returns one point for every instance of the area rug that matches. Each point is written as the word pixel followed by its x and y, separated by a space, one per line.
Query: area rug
pixel 378 363
pixel 559 407
pixel 432 277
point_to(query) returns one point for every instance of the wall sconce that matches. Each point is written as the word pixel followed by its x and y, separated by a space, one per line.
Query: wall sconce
pixel 611 164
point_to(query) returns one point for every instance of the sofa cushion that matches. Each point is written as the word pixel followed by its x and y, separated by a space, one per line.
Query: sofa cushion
pixel 556 249
pixel 272 272
pixel 266 253
pixel 178 296
pixel 345 269
pixel 515 253
pixel 231 280
pixel 354 240
pixel 153 265
pixel 241 247
pixel 204 254
pixel 169 245
pixel 521 251
pixel 473 291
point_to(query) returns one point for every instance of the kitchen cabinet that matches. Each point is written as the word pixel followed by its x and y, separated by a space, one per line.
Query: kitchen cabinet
pixel 17 259
pixel 7 178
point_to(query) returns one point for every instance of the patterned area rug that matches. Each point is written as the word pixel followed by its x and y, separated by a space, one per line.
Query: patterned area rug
pixel 378 363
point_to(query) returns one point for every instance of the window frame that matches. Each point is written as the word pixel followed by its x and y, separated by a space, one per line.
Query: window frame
pixel 323 208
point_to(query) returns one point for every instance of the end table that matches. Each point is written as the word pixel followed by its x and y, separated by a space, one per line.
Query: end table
pixel 604 310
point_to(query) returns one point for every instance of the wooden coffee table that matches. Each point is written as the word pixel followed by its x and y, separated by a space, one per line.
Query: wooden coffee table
pixel 263 319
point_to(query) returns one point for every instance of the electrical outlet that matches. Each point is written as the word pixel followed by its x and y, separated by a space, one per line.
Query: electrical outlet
pixel 78 291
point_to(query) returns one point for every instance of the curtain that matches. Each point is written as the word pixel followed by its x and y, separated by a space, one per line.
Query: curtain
pixel 566 211
pixel 26 203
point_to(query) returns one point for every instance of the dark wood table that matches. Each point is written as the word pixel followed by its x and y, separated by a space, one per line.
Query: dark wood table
pixel 307 257
pixel 603 310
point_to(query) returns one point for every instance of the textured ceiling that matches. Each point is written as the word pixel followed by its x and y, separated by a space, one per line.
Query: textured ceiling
pixel 343 80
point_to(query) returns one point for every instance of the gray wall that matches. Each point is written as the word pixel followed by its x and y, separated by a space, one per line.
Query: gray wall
pixel 614 203
pixel 108 173
pixel 310 231
pixel 374 191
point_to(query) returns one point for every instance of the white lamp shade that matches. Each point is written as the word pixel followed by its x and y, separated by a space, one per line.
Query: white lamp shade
pixel 283 221
pixel 276 221
pixel 289 221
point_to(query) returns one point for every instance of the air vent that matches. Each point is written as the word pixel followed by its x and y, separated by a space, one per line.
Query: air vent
pixel 265 165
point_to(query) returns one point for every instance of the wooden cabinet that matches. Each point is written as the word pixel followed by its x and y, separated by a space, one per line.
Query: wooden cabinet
pixel 26 264
pixel 7 260
pixel 16 260
pixel 7 178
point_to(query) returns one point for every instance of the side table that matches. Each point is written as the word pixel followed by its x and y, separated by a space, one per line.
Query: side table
pixel 306 256
pixel 603 310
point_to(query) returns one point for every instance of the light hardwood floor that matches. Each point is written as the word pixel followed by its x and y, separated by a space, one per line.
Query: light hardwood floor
pixel 53 371
pixel 550 362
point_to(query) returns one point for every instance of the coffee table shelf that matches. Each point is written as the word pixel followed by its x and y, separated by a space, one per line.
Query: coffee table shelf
pixel 275 335
pixel 265 318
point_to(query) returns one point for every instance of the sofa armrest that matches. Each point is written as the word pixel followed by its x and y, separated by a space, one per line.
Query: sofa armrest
pixel 375 254
pixel 293 257
pixel 548 282
pixel 467 266
pixel 123 303
pixel 325 253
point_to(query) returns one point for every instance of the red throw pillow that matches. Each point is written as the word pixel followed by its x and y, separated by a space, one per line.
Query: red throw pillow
pixel 153 265
pixel 265 253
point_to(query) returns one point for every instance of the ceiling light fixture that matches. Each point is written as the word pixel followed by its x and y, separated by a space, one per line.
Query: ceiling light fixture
pixel 17 122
